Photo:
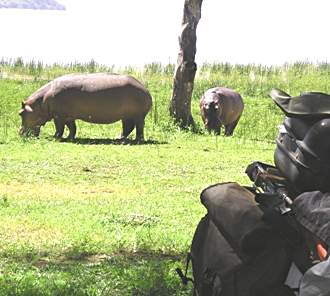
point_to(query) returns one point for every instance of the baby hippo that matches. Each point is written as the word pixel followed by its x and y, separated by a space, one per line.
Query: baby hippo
pixel 221 106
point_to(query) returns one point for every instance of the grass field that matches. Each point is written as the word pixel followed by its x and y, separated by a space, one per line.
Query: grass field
pixel 96 217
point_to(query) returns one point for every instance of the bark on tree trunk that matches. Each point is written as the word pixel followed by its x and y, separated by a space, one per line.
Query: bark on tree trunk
pixel 180 108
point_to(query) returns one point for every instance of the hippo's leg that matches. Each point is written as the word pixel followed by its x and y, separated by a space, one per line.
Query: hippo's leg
pixel 139 125
pixel 128 126
pixel 72 129
pixel 229 129
pixel 59 126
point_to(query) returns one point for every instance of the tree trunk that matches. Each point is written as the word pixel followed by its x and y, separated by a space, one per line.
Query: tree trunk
pixel 180 108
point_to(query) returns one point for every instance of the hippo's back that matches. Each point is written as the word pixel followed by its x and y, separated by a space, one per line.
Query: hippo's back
pixel 99 97
pixel 95 82
pixel 225 94
pixel 232 102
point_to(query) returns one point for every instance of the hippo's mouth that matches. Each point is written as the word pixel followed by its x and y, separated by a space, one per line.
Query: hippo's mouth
pixel 212 123
pixel 27 132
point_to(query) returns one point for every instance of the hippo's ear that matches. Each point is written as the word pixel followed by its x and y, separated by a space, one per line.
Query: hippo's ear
pixel 23 104
pixel 28 108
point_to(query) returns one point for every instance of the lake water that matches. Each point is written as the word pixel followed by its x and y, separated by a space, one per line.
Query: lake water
pixel 134 33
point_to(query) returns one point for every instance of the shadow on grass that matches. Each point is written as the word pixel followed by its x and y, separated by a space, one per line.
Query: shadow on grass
pixel 123 273
pixel 102 141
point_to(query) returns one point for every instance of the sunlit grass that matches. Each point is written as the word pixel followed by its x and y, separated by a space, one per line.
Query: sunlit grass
pixel 63 203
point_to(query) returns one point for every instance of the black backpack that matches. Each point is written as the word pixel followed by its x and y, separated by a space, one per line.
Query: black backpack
pixel 234 252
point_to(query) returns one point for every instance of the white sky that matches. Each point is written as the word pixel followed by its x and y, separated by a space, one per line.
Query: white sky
pixel 136 32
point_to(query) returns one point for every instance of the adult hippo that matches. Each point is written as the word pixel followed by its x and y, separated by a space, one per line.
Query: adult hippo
pixel 221 106
pixel 95 98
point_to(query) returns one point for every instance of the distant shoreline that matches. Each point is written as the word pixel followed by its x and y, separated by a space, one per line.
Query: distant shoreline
pixel 32 4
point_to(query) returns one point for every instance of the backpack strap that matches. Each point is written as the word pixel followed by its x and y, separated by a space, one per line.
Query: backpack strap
pixel 183 277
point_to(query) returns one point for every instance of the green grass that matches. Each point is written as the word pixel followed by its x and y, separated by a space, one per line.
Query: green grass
pixel 124 214
pixel 97 217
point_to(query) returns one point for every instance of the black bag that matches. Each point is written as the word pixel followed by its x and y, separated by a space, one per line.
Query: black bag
pixel 302 151
pixel 312 211
pixel 234 252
